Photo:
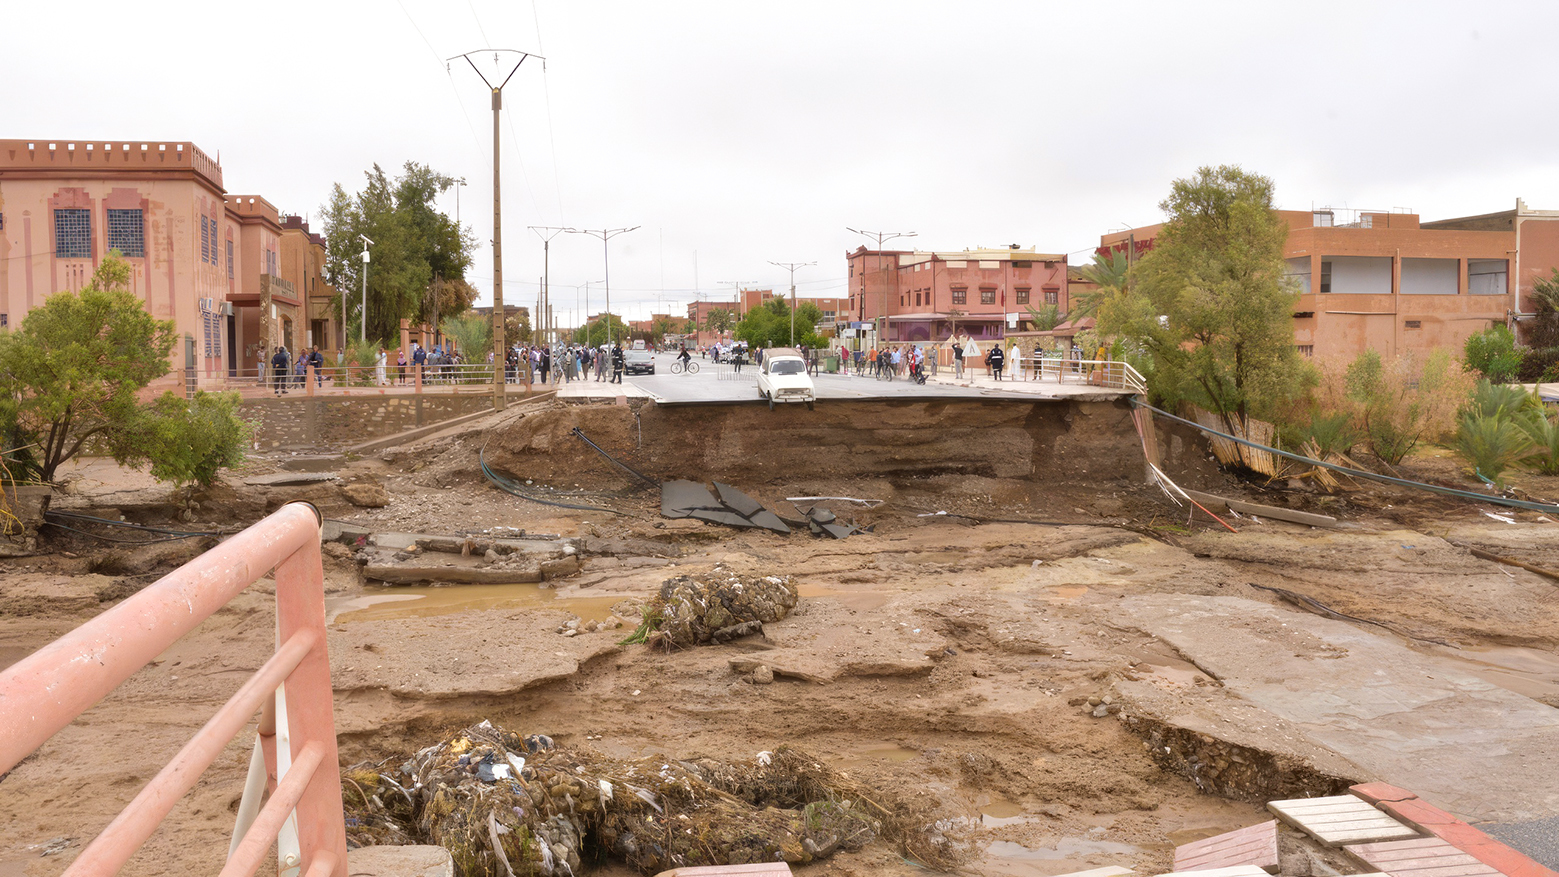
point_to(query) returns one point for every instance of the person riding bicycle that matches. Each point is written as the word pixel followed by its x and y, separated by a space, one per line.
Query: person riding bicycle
pixel 684 357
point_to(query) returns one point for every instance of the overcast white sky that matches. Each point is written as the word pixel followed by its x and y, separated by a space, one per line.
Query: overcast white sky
pixel 736 133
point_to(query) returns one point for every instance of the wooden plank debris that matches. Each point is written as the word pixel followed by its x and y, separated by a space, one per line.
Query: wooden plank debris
pixel 1265 511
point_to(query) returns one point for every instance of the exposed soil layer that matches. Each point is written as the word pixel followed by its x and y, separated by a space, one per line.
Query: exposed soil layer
pixel 968 652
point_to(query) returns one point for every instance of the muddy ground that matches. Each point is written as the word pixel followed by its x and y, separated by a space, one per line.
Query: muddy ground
pixel 963 656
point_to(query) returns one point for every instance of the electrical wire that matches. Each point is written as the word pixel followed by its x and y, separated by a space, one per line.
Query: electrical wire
pixel 129 525
pixel 1550 508
pixel 546 95
pixel 103 538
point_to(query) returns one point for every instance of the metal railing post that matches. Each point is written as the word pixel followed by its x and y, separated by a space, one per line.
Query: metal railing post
pixel 300 606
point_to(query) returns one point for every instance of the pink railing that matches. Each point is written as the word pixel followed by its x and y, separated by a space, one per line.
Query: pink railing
pixel 44 692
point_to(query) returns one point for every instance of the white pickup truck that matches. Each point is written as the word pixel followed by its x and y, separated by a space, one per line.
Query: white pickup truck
pixel 783 377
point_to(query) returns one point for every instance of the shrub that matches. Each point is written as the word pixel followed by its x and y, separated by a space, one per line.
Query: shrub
pixel 1492 353
pixel 1333 433
pixel 1544 433
pixel 1498 400
pixel 1535 363
pixel 1397 405
pixel 1490 444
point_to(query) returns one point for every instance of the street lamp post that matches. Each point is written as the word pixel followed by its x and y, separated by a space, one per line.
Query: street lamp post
pixel 362 323
pixel 883 236
pixel 605 234
pixel 791 267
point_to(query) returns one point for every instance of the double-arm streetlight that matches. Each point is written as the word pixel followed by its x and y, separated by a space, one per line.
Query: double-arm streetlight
pixel 882 236
pixel 605 234
pixel 791 267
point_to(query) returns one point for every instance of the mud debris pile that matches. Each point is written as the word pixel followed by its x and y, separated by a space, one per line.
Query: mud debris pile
pixel 505 804
pixel 717 607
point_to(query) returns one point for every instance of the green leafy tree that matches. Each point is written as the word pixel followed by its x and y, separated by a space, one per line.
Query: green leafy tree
pixel 472 334
pixel 516 327
pixel 414 245
pixel 769 324
pixel 72 375
pixel 193 439
pixel 719 320
pixel 1493 354
pixel 595 333
pixel 1211 304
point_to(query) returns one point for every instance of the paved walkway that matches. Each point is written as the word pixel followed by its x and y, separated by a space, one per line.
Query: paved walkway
pixel 1417 721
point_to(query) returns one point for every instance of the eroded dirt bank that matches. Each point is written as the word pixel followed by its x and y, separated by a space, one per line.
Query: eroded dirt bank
pixel 980 663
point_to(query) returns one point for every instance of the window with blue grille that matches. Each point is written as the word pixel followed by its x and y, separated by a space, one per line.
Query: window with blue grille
pixel 72 233
pixel 205 240
pixel 229 260
pixel 127 233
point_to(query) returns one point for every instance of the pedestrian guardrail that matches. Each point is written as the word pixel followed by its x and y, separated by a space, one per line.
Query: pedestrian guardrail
pixel 295 747
pixel 730 371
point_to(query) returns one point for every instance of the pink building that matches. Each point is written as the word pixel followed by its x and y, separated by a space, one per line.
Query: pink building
pixel 206 261
pixel 911 296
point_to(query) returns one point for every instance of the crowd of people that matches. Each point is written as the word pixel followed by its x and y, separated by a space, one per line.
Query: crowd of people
pixel 565 362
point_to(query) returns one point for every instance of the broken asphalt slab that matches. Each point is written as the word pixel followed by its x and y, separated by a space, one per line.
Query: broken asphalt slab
pixel 1417 721
pixel 393 670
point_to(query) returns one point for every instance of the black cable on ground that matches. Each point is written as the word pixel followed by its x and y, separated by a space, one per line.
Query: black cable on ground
pixel 578 433
pixel 508 485
pixel 129 541
pixel 1359 473
pixel 146 527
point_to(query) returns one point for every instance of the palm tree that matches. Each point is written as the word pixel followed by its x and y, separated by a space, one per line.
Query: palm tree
pixel 1543 331
pixel 1108 273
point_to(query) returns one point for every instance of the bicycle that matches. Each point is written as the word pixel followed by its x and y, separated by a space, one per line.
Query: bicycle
pixel 884 371
pixel 688 368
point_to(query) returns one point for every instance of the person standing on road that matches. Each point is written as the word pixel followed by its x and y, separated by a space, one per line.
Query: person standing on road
pixel 1017 361
pixel 995 359
pixel 617 363
pixel 279 361
pixel 317 362
pixel 958 360
pixel 546 363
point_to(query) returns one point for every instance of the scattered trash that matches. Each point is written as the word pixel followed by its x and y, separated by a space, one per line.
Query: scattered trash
pixel 869 503
pixel 561 807
pixel 930 514
pixel 1505 518
pixel 717 607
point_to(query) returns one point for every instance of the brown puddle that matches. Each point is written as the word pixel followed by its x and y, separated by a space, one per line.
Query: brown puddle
pixel 422 601
pixel 1528 672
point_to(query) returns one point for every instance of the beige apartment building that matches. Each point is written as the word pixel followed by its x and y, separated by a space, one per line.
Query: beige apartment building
pixel 1386 281
pixel 209 261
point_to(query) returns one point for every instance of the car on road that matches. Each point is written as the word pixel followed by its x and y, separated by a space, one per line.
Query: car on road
pixel 783 377
pixel 638 362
